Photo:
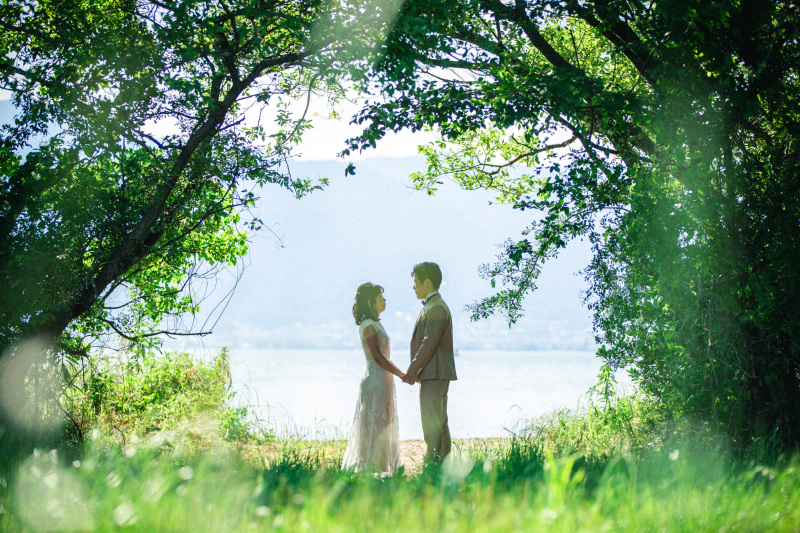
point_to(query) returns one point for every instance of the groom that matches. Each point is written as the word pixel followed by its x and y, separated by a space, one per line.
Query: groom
pixel 432 362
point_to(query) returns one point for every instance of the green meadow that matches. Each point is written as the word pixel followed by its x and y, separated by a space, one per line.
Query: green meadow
pixel 137 138
pixel 151 485
pixel 615 465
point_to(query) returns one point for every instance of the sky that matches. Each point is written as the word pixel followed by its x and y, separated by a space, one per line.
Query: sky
pixel 300 281
pixel 300 277
pixel 296 287
pixel 303 269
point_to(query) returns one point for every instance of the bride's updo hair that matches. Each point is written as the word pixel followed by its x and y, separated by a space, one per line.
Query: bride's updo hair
pixel 365 300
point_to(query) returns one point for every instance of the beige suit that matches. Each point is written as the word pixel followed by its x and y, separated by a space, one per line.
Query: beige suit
pixel 433 362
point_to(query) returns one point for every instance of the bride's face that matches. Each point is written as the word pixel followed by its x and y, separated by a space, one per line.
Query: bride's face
pixel 379 306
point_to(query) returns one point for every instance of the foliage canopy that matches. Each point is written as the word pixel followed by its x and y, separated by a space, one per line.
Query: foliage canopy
pixel 667 133
pixel 135 148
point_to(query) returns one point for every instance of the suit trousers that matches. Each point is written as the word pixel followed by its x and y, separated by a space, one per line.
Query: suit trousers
pixel 433 406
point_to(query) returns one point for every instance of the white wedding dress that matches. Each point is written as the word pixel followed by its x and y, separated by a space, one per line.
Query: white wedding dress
pixel 374 441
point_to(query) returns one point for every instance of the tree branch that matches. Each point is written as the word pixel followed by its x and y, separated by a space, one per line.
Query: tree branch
pixel 152 333
pixel 132 245
pixel 72 351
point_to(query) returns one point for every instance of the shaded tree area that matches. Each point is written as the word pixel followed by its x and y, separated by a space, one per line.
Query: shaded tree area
pixel 667 133
pixel 138 147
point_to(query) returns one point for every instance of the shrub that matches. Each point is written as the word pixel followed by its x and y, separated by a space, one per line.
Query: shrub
pixel 623 424
pixel 139 394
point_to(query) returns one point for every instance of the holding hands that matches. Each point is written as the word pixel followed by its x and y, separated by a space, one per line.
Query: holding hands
pixel 410 379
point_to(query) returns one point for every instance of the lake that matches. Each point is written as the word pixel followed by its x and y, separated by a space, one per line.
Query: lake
pixel 312 393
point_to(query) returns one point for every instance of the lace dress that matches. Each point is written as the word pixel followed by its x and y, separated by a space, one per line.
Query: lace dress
pixel 374 441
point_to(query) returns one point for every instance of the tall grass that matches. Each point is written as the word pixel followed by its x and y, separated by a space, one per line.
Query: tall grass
pixel 616 466
pixel 132 395
pixel 543 481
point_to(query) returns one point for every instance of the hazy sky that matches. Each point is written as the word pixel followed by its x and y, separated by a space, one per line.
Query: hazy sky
pixel 301 276
pixel 374 227
pixel 300 282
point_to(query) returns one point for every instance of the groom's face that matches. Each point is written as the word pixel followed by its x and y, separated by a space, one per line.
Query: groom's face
pixel 422 289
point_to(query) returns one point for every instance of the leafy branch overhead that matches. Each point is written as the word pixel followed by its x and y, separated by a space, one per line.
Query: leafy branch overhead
pixel 138 144
pixel 664 132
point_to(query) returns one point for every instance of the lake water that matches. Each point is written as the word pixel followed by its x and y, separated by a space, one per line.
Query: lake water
pixel 312 393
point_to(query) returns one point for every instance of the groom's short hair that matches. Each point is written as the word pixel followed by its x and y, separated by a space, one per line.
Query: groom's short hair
pixel 429 271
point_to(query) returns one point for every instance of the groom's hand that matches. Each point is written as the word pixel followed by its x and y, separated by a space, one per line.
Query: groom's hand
pixel 408 378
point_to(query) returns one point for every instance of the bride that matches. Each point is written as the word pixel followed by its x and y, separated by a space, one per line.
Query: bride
pixel 374 442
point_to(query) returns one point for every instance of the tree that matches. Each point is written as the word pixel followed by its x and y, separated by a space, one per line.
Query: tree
pixel 666 133
pixel 135 150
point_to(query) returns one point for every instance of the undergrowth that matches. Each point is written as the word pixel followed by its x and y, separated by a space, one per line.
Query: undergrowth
pixel 149 485
pixel 615 465
pixel 135 395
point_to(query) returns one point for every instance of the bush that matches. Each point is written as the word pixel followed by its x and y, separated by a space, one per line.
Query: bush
pixel 623 424
pixel 136 395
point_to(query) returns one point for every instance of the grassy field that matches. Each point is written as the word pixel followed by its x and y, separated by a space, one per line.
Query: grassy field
pixel 207 467
pixel 195 482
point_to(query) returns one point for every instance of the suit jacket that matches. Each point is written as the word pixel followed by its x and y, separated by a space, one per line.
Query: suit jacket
pixel 432 342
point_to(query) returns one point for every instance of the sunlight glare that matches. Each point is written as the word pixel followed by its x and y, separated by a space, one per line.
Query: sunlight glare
pixel 370 21
pixel 30 384
pixel 51 497
pixel 457 468
pixel 125 514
